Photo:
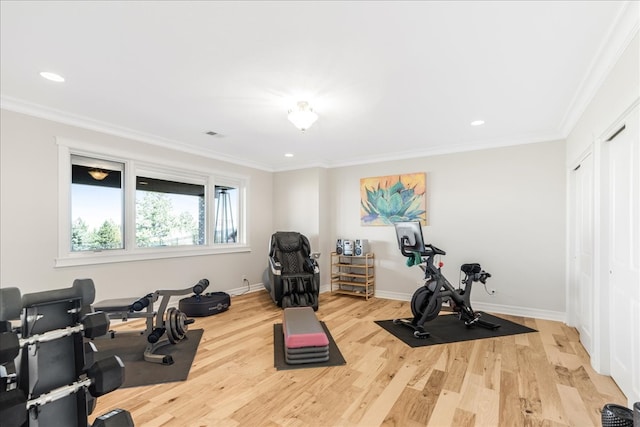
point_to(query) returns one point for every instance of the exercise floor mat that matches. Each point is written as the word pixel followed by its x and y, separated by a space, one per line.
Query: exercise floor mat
pixel 335 357
pixel 447 328
pixel 137 371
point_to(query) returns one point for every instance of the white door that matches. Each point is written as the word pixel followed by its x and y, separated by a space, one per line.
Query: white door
pixel 623 205
pixel 580 297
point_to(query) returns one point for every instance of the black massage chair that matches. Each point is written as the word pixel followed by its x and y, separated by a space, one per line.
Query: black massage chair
pixel 294 275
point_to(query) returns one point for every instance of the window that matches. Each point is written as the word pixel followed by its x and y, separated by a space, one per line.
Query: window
pixel 169 213
pixel 124 209
pixel 226 226
pixel 97 201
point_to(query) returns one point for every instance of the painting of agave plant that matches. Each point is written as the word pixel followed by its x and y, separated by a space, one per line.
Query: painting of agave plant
pixel 388 199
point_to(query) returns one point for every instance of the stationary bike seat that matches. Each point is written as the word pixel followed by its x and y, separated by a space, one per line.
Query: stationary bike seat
pixel 471 268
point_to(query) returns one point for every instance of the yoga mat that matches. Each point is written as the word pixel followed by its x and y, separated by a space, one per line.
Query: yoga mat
pixel 448 328
pixel 335 357
pixel 137 371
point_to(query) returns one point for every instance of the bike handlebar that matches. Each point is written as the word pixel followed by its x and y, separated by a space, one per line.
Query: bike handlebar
pixel 435 250
pixel 430 250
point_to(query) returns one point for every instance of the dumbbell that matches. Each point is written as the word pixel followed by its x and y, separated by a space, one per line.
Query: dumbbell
pixel 115 418
pixel 12 302
pixel 83 289
pixel 102 377
pixel 90 351
pixel 93 325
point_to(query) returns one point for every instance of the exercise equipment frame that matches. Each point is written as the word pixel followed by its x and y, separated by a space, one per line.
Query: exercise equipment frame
pixel 427 300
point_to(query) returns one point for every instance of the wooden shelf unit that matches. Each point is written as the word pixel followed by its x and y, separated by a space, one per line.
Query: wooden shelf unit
pixel 353 275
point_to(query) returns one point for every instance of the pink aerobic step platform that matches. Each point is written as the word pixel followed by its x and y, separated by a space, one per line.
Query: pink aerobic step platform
pixel 302 329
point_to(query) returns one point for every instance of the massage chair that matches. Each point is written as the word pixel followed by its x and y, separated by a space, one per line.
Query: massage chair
pixel 293 272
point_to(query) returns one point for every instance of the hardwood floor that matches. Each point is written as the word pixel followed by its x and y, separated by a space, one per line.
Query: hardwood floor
pixel 536 379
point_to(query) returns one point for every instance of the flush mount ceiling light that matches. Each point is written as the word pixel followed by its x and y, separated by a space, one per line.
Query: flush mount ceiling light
pixel 302 116
pixel 477 123
pixel 98 174
pixel 52 76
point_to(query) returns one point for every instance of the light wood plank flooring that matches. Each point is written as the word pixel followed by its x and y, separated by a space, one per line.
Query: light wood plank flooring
pixel 537 379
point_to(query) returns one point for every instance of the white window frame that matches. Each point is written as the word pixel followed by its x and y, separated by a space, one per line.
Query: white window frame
pixel 154 167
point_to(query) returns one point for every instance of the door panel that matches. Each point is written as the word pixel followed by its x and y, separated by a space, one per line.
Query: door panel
pixel 623 203
pixel 582 269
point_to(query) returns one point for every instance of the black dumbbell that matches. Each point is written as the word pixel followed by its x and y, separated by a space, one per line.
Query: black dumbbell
pixel 90 351
pixel 115 418
pixel 102 377
pixel 5 326
pixel 13 409
pixel 93 325
pixel 105 376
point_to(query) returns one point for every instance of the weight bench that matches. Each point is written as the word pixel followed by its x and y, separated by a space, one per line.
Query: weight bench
pixel 170 320
pixel 304 338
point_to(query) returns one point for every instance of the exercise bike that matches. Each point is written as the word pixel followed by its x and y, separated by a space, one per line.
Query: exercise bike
pixel 428 299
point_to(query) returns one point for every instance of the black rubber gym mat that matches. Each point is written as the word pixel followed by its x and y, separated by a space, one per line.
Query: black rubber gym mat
pixel 335 357
pixel 447 328
pixel 137 371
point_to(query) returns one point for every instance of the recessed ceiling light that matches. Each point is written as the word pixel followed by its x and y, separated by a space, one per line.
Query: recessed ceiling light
pixel 52 76
pixel 477 122
pixel 288 155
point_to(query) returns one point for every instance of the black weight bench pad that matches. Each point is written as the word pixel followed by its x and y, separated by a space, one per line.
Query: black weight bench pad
pixel 115 305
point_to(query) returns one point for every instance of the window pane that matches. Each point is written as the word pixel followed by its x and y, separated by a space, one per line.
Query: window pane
pixel 169 213
pixel 96 204
pixel 226 227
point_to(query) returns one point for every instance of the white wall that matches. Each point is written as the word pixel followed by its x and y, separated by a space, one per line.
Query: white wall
pixel 615 98
pixel 296 203
pixel 620 89
pixel 302 203
pixel 29 218
pixel 503 207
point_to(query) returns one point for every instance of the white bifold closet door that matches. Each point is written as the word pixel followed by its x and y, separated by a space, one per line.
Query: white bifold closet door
pixel 622 201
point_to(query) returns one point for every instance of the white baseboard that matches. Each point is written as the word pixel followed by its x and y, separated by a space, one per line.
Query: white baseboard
pixel 398 296
pixel 536 313
pixel 255 287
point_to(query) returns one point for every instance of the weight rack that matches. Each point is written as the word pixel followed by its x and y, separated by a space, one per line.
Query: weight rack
pixel 47 373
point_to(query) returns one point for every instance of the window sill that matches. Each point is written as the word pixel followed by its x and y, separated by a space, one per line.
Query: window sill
pixel 115 256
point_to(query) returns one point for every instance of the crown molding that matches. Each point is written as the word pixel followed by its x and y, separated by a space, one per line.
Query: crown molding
pixel 456 148
pixel 47 113
pixel 622 31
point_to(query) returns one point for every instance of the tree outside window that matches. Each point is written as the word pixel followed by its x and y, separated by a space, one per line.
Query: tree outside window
pixel 169 213
pixel 96 204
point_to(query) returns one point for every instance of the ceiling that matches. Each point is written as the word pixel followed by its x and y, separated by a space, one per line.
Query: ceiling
pixel 389 80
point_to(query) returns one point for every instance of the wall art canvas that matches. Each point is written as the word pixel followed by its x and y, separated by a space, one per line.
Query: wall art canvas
pixel 394 198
